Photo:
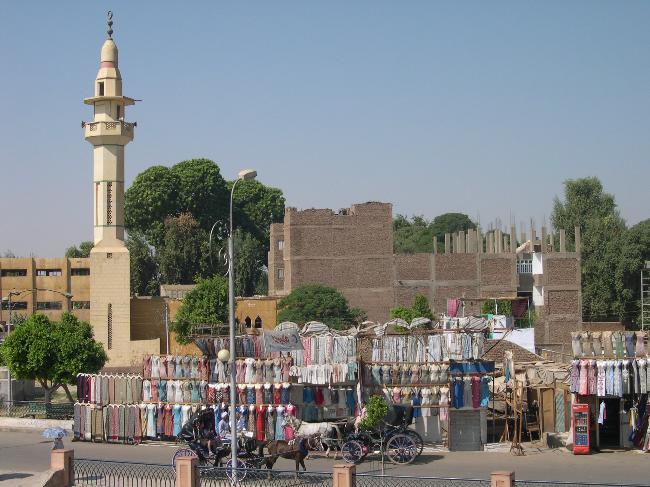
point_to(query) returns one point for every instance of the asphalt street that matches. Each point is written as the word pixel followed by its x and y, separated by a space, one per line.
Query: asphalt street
pixel 25 453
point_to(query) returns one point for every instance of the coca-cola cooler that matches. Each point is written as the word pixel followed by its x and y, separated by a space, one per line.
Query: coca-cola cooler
pixel 580 429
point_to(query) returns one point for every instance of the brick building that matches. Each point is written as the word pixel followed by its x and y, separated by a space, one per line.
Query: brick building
pixel 352 250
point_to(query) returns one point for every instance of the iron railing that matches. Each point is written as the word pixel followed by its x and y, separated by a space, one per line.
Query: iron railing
pixel 216 477
pixel 548 483
pixel 37 409
pixel 122 474
pixel 368 480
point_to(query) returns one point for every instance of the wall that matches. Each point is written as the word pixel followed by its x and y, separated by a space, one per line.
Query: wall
pixel 78 286
pixel 264 307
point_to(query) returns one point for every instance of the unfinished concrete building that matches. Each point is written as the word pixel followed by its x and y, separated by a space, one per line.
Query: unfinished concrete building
pixel 352 250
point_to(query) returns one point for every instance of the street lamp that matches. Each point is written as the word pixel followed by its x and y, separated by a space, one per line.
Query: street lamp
pixel 245 175
pixel 67 295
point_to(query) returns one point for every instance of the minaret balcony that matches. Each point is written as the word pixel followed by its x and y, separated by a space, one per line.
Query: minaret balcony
pixel 109 132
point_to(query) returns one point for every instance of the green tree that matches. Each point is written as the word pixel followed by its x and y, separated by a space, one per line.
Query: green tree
pixel 610 258
pixel 640 235
pixel 152 197
pixel 207 304
pixel 202 191
pixel 502 306
pixel 419 309
pixel 249 262
pixel 83 251
pixel 144 268
pixel 256 207
pixel 52 353
pixel 416 235
pixel 184 255
pixel 315 302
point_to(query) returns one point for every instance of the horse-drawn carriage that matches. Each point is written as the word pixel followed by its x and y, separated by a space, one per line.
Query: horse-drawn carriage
pixel 391 437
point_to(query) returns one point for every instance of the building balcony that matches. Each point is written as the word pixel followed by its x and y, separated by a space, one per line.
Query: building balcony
pixel 109 132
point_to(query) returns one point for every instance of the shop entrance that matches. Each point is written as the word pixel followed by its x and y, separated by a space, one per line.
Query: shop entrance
pixel 609 431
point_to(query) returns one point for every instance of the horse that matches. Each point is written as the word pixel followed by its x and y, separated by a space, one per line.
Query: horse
pixel 330 435
pixel 295 450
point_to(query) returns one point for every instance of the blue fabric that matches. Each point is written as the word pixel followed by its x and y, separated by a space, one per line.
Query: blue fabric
pixel 162 390
pixel 485 391
pixel 176 414
pixel 349 400
pixel 250 395
pixel 308 395
pixel 415 401
pixel 284 395
pixel 458 393
pixel 478 367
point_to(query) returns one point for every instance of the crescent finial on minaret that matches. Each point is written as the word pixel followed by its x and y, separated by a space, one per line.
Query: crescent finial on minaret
pixel 109 16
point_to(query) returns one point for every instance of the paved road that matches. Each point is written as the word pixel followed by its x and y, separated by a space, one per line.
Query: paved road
pixel 23 453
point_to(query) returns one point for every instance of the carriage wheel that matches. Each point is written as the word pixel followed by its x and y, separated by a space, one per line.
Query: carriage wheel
pixel 182 452
pixel 419 442
pixel 238 474
pixel 401 449
pixel 352 451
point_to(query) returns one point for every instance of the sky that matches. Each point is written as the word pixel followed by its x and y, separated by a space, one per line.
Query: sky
pixel 479 107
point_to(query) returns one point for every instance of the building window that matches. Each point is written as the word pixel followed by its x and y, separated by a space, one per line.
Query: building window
pixel 14 305
pixel 48 272
pixel 119 111
pixel 48 305
pixel 109 255
pixel 81 305
pixel 100 88
pixel 258 322
pixel 280 244
pixel 109 203
pixel 247 322
pixel 280 273
pixel 109 325
pixel 80 271
pixel 13 272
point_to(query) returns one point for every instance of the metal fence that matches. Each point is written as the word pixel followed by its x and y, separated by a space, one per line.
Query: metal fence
pixel 367 480
pixel 216 477
pixel 36 409
pixel 547 483
pixel 122 474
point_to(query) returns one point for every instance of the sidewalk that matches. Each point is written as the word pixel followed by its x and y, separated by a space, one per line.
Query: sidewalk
pixel 18 425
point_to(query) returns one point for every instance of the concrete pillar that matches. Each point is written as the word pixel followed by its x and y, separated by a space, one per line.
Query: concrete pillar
pixel 506 246
pixel 562 240
pixel 187 473
pixel 513 238
pixel 63 460
pixel 344 475
pixel 435 244
pixel 490 243
pixel 479 240
pixel 447 244
pixel 471 241
pixel 551 241
pixel 461 242
pixel 543 239
pixel 523 236
pixel 577 240
pixel 502 479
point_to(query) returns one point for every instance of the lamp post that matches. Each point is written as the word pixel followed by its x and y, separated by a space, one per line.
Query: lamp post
pixel 246 174
pixel 68 296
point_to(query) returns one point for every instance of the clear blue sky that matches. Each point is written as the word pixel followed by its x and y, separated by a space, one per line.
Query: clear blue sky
pixel 479 107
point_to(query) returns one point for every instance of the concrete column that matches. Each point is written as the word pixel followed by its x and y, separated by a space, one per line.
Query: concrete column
pixel 506 247
pixel 435 244
pixel 447 244
pixel 551 241
pixel 479 240
pixel 461 242
pixel 543 239
pixel 562 240
pixel 490 243
pixel 513 238
pixel 502 479
pixel 344 475
pixel 187 474
pixel 63 460
pixel 577 240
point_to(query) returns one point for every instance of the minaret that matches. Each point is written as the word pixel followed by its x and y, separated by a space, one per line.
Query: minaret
pixel 109 259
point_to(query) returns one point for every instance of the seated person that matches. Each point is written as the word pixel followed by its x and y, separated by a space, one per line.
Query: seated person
pixel 241 423
pixel 223 428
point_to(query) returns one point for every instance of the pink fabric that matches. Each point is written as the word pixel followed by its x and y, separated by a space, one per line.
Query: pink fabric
pixel 584 378
pixel 452 307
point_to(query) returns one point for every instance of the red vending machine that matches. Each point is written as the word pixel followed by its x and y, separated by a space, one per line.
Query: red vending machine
pixel 581 429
